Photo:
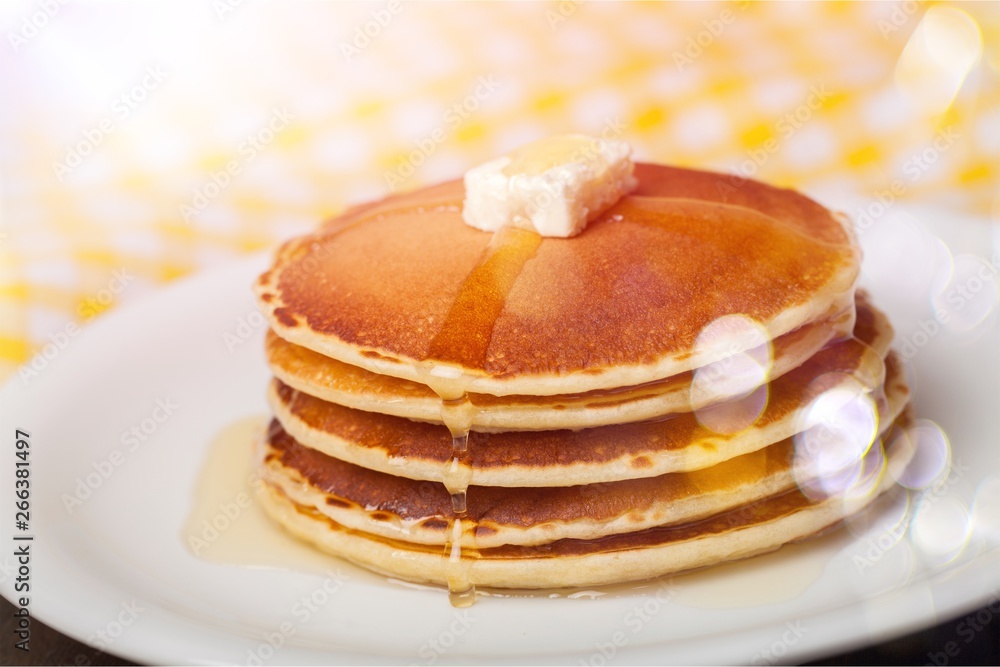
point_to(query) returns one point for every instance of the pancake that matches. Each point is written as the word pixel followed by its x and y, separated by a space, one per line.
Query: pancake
pixel 404 288
pixel 351 386
pixel 421 511
pixel 562 458
pixel 751 529
pixel 691 378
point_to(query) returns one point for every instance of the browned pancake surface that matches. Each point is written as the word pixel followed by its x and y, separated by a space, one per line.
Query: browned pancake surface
pixel 347 484
pixel 638 284
pixel 404 439
pixel 311 368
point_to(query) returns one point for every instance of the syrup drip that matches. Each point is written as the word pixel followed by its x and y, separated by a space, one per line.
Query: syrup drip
pixel 464 340
pixel 457 415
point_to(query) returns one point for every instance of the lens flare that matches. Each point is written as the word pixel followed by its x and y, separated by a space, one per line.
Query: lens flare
pixel 970 296
pixel 870 471
pixel 734 415
pixel 944 48
pixel 986 510
pixel 837 430
pixel 730 393
pixel 940 529
pixel 930 457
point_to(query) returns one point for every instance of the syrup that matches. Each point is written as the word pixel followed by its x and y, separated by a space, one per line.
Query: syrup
pixel 464 340
pixel 247 536
pixel 457 414
pixel 253 540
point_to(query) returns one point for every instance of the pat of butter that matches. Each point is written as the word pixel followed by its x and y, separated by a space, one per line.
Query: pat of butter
pixel 554 186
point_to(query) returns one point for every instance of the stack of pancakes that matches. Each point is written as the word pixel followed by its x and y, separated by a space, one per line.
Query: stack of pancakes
pixel 692 379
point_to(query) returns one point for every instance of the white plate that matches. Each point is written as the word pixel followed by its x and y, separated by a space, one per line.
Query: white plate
pixel 123 545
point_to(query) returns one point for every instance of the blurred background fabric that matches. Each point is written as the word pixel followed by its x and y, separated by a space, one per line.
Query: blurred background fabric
pixel 142 142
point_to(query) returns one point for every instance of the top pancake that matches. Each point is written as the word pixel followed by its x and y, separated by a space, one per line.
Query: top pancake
pixel 404 288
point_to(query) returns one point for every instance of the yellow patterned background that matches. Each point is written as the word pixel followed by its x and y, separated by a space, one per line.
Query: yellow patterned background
pixel 142 142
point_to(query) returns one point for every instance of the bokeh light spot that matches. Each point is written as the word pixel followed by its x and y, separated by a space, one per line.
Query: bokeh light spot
pixel 930 456
pixel 730 392
pixel 838 428
pixel 940 528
